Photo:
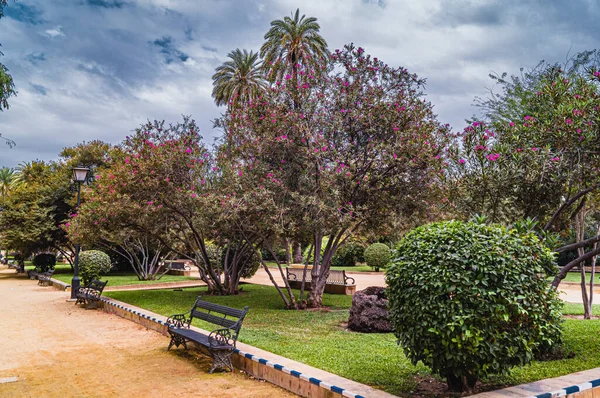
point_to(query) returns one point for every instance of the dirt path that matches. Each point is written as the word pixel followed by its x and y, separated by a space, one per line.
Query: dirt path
pixel 56 349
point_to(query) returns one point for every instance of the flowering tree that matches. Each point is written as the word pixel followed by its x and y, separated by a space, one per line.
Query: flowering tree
pixel 334 154
pixel 537 157
pixel 162 190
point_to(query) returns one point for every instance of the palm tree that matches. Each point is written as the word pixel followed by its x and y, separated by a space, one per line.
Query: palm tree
pixel 291 42
pixel 7 179
pixel 28 172
pixel 239 79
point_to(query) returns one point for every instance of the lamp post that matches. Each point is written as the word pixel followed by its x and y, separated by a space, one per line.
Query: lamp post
pixel 79 176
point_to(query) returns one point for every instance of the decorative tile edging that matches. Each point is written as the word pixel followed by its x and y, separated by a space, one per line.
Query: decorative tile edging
pixel 570 390
pixel 260 361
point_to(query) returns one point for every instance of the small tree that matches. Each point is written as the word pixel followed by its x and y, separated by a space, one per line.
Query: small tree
pixel 470 299
pixel 378 255
pixel 44 261
pixel 92 263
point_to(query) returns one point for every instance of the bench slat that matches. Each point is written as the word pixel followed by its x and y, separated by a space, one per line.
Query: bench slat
pixel 216 320
pixel 234 312
pixel 335 277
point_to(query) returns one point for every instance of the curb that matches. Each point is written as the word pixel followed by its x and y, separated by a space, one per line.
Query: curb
pixel 297 382
pixel 572 390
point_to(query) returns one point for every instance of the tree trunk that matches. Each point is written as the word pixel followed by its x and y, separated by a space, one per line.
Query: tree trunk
pixel 461 383
pixel 580 234
pixel 297 252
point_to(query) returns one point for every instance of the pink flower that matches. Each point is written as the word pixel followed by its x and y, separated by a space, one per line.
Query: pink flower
pixel 493 157
pixel 188 150
pixel 288 77
pixel 512 124
pixel 194 195
pixel 569 121
pixel 555 159
pixel 534 149
pixel 461 161
pixel 240 173
pixel 150 203
pixel 395 156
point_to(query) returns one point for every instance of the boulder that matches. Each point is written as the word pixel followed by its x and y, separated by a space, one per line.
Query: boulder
pixel 369 312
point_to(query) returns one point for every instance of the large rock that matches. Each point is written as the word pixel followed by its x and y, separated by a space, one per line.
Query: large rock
pixel 369 312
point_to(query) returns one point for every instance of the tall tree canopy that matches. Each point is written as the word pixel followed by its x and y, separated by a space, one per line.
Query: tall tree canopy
pixel 239 79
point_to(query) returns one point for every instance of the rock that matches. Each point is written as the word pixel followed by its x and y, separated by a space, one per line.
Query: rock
pixel 369 312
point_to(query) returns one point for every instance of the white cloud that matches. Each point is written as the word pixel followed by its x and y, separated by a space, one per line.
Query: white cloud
pixel 55 32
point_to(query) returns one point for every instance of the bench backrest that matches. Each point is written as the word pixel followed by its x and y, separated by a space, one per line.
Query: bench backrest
pixel 96 285
pixel 220 315
pixel 335 277
pixel 177 265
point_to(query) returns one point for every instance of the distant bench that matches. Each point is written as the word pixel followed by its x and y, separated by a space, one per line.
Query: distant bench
pixel 220 343
pixel 337 281
pixel 178 268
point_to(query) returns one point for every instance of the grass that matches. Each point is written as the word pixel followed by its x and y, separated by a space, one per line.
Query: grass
pixel 318 339
pixel 356 268
pixel 64 273
pixel 576 277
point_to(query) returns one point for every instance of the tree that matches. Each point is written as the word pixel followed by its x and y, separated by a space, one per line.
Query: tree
pixel 536 154
pixel 293 44
pixel 239 79
pixel 7 177
pixel 7 86
pixel 362 145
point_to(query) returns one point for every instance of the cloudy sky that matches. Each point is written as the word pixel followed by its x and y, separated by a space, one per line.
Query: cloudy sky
pixel 96 69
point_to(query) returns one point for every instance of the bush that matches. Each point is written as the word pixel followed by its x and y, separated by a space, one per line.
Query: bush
pixel 44 261
pixel 248 263
pixel 348 255
pixel 92 263
pixel 378 255
pixel 469 299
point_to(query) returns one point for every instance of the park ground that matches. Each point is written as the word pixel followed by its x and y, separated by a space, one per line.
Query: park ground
pixel 57 349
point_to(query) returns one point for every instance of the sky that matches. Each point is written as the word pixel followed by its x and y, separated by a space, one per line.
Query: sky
pixel 97 69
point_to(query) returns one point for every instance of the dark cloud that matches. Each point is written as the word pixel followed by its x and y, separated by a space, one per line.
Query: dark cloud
pixel 211 49
pixel 36 57
pixel 106 3
pixel 168 49
pixel 39 88
pixel 25 13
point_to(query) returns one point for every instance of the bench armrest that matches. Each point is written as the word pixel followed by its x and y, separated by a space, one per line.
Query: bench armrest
pixel 179 321
pixel 220 337
pixel 347 278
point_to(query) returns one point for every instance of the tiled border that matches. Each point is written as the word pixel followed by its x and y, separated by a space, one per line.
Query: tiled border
pixel 572 390
pixel 260 361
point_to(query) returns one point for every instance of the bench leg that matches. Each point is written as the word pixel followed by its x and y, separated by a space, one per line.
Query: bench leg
pixel 221 359
pixel 177 340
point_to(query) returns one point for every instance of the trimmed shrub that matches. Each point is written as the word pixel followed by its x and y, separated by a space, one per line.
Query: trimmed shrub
pixel 348 255
pixel 378 255
pixel 470 299
pixel 92 263
pixel 44 261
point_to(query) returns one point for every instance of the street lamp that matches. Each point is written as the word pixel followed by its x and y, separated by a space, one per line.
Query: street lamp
pixel 79 176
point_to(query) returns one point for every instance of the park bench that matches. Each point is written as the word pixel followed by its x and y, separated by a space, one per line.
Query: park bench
pixel 220 343
pixel 337 281
pixel 44 277
pixel 90 293
pixel 178 266
pixel 14 266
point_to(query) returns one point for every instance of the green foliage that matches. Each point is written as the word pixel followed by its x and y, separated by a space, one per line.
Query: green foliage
pixel 239 79
pixel 92 263
pixel 378 255
pixel 247 262
pixel 44 261
pixel 470 300
pixel 348 255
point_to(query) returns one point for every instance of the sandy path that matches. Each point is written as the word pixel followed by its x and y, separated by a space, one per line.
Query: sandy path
pixel 59 350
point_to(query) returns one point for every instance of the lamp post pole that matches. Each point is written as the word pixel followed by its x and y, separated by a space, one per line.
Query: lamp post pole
pixel 79 176
pixel 75 283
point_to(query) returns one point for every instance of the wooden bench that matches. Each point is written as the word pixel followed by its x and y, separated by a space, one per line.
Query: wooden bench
pixel 44 277
pixel 90 293
pixel 220 343
pixel 337 281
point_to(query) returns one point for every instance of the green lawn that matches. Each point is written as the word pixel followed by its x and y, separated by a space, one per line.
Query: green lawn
pixel 357 268
pixel 120 279
pixel 576 277
pixel 318 339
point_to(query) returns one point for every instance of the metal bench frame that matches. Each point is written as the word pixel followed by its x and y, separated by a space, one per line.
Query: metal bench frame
pixel 334 277
pixel 220 343
pixel 44 277
pixel 90 294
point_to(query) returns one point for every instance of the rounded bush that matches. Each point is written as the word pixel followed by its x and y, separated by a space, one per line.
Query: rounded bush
pixel 378 255
pixel 470 300
pixel 92 263
pixel 348 255
pixel 248 263
pixel 44 261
